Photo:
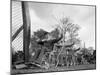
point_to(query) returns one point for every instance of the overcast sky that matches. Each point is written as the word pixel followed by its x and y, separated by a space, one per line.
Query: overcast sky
pixel 41 15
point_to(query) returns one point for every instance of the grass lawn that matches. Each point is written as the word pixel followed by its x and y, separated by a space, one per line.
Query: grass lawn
pixel 71 68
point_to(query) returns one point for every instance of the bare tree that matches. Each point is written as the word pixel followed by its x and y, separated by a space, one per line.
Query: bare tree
pixel 65 26
pixel 73 33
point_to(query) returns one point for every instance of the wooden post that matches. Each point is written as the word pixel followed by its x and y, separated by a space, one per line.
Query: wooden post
pixel 26 30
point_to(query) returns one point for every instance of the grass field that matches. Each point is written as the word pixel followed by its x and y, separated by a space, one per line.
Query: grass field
pixel 71 68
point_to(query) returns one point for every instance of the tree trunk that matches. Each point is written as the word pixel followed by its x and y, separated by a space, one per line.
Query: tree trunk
pixel 61 49
pixel 26 30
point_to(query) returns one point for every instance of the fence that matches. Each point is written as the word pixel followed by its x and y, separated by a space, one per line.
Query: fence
pixel 17 22
pixel 20 27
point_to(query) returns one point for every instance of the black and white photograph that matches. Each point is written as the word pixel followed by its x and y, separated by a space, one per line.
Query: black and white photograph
pixel 52 37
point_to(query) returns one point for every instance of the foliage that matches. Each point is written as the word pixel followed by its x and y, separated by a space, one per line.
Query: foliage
pixel 55 33
pixel 17 56
pixel 40 34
